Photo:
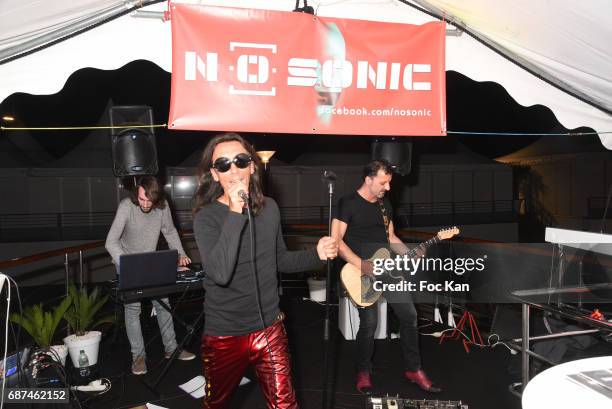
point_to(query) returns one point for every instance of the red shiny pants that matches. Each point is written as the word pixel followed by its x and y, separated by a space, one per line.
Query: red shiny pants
pixel 226 358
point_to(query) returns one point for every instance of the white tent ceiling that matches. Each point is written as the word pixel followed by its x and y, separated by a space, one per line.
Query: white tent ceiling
pixel 555 53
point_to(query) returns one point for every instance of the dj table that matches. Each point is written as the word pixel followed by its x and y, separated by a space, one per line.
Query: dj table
pixel 185 281
pixel 158 292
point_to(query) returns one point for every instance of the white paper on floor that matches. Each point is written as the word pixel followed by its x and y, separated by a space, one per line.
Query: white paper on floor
pixel 152 406
pixel 196 387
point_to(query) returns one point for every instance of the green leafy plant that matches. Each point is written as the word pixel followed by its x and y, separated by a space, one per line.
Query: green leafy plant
pixel 81 314
pixel 41 324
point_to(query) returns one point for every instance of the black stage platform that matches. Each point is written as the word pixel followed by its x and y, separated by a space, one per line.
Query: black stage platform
pixel 480 379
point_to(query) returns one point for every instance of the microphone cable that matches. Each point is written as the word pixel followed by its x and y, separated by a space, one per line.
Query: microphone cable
pixel 257 293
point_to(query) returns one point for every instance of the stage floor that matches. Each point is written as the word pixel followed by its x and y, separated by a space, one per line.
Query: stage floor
pixel 480 379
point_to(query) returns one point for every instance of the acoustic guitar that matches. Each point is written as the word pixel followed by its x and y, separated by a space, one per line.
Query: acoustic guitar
pixel 360 288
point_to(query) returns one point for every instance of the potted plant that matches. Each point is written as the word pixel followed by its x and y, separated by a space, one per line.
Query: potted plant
pixel 41 325
pixel 81 316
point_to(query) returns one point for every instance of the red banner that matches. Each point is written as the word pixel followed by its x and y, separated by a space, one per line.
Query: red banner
pixel 270 71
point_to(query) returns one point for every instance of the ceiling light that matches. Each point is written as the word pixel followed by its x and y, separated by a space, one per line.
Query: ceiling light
pixel 265 157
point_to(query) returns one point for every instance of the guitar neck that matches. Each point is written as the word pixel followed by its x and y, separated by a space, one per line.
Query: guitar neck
pixel 424 245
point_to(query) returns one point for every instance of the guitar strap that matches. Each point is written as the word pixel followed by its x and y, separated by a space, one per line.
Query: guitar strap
pixel 386 220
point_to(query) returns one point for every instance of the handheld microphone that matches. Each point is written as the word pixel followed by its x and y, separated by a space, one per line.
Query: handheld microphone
pixel 329 176
pixel 244 197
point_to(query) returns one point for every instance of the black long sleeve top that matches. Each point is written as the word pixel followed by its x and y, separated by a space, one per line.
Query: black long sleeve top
pixel 223 240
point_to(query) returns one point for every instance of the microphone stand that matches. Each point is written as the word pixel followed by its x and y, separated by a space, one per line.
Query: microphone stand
pixel 326 331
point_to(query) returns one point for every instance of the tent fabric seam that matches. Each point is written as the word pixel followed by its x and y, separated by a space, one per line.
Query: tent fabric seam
pixel 507 57
pixel 78 32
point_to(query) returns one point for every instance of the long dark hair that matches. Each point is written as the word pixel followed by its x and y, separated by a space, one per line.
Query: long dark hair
pixel 209 190
pixel 153 191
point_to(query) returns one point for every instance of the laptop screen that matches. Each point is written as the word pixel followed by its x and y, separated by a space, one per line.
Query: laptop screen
pixel 152 269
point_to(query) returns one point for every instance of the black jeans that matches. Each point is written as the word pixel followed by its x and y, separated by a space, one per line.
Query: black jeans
pixel 409 336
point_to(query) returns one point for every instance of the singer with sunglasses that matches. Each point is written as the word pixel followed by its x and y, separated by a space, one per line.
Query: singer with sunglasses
pixel 243 323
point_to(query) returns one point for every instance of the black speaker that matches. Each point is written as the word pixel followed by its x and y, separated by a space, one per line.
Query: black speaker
pixel 134 149
pixel 397 153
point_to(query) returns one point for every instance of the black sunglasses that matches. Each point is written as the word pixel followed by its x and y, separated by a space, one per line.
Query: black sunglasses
pixel 223 164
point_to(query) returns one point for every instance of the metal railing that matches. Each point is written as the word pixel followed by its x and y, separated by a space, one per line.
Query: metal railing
pixel 422 214
pixel 95 225
pixel 55 226
pixel 74 264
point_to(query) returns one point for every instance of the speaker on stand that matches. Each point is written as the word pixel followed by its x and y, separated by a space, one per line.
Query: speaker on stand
pixel 134 150
pixel 395 151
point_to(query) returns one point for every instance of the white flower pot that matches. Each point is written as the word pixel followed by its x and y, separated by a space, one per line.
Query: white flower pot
pixel 59 352
pixel 317 289
pixel 90 343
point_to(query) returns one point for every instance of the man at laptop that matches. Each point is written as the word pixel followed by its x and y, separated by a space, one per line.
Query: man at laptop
pixel 135 229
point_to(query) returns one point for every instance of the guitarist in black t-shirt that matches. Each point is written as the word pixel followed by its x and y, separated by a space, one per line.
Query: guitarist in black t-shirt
pixel 364 218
